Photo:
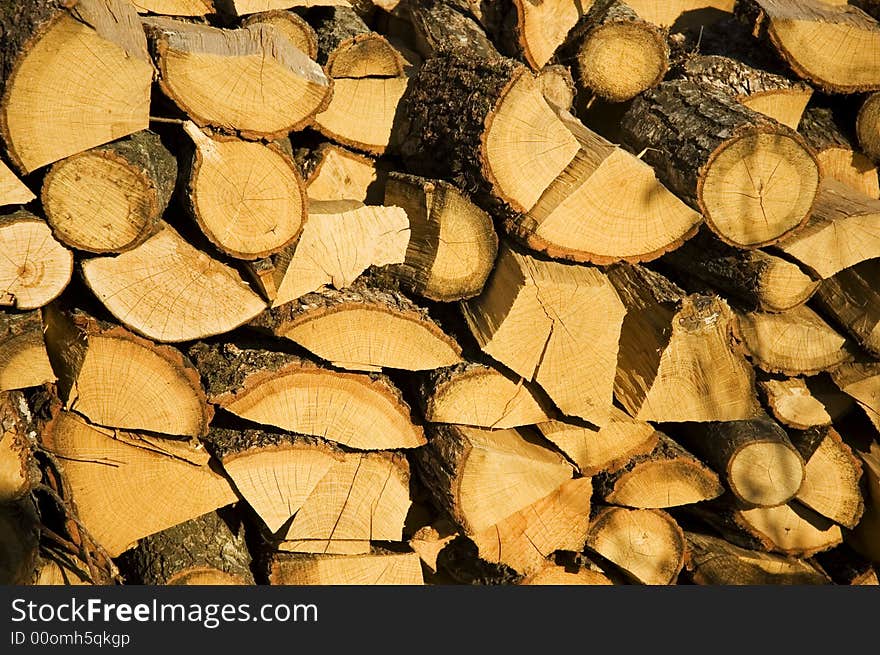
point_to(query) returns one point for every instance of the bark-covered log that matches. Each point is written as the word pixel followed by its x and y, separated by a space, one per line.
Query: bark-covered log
pixel 868 126
pixel 24 361
pixel 851 299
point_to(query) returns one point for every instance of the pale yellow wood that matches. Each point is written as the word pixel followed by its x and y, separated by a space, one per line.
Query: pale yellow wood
pixel 430 540
pixel 553 574
pixel 341 175
pixel 368 569
pixel 831 482
pixel 12 190
pixel 784 105
pixel 792 403
pixel 792 530
pixel 543 26
pixel 684 13
pixel 853 169
pixel 35 268
pixel 175 7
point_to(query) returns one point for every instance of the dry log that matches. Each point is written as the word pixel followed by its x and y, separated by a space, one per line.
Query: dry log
pixel 340 174
pixel 167 290
pixel 452 242
pixel 35 268
pixel 18 434
pixel 868 126
pixel 852 300
pixel 292 25
pixel 23 358
pixel 296 395
pixel 368 569
pixel 557 86
pixel 110 198
pixel 12 190
pixel 861 381
pixel 106 95
pixel 347 48
pixel 682 14
pixel 753 179
pixel 444 26
pixel 676 360
pixel 792 404
pixel 116 379
pixel 554 574
pixel 175 7
pixel 535 317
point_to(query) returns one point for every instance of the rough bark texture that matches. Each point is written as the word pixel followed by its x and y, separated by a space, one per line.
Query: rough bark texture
pixel 333 27
pixel 439 465
pixel 822 130
pixel 852 300
pixel 443 27
pixel 21 20
pixel 736 78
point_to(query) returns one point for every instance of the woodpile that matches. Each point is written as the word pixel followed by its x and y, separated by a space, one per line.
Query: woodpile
pixel 439 292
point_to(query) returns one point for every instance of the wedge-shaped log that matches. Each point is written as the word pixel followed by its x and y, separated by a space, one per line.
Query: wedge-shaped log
pixel 335 173
pixel 24 361
pixel 293 394
pixel 851 299
pixel 368 569
pixel 793 404
pixel 292 25
pixel 12 190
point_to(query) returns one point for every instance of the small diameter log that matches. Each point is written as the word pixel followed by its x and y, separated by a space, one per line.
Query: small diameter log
pixel 18 469
pixel 293 26
pixel 207 550
pixel 274 472
pixel 524 540
pixel 248 198
pixel 12 190
pixel 714 561
pixel 35 268
pixel 646 544
pixel 791 27
pixel 340 240
pixel 536 317
pixel 23 358
pixel 610 28
pixel 668 476
pixel 852 300
pixel 452 244
pixel 755 458
pixel 368 569
pixel 358 411
pixel 754 277
pixel 842 231
pixel 443 26
pixel 481 395
pixel 142 288
pixel 796 342
pixel 41 39
pixel 19 542
pixel 480 477
pixel 753 179
pixel 253 79
pixel 116 379
pixel 340 174
pixel 838 158
pixel 128 486
pixel 773 95
pixel 601 449
pixel 831 476
pixel 792 403
pixel 606 206
pixel 363 328
pixel 111 198
pixel 676 360
pixel 363 498
pixel 846 567
pixel 484 125
pixel 348 49
pixel 868 126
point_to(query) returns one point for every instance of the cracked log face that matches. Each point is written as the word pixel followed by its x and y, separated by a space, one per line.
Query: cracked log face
pixel 36 268
pixel 368 569
pixel 541 319
pixel 292 25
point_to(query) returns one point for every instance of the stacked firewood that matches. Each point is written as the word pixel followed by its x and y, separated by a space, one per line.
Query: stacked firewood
pixel 439 291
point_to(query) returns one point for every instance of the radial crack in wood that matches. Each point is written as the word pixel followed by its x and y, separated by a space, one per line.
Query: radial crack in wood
pixel 35 268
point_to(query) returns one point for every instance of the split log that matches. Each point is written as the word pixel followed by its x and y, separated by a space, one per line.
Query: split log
pixel 838 158
pixel 340 174
pixel 363 498
pixel 12 190
pixel 868 126
pixel 682 14
pixel 601 449
pixel 253 79
pixel 483 124
pixel 870 7
pixel 480 477
pixel 248 198
pixel 368 569
pixel 363 328
pixel 668 476
pixel 676 361
pixel 127 486
pixel 106 95
pixel 348 49
pixel 175 7
pixel 852 300
pixel 765 92
pixel 116 379
pixel 274 472
pixel 846 567
pixel 245 7
pixel 714 561
pixel 111 198
pixel 865 537
pixel 24 361
pixel 430 540
pixel 792 404
pixel 35 268
pixel 167 290
pixel 801 31
pixel 646 544
pixel 754 277
pixel 753 179
pixel 609 28
pixel 557 86
pixel 292 25
pixel 340 241
pixel 296 395
pixel 442 26
pixel 536 317
pixel 755 458
pixel 605 206
pixel 18 432
pixel 452 243
pixel 841 232
pixel 554 574
pixel 831 476
pixel 861 381
pixel 19 542
pixel 796 342
pixel 540 28
pixel 207 550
